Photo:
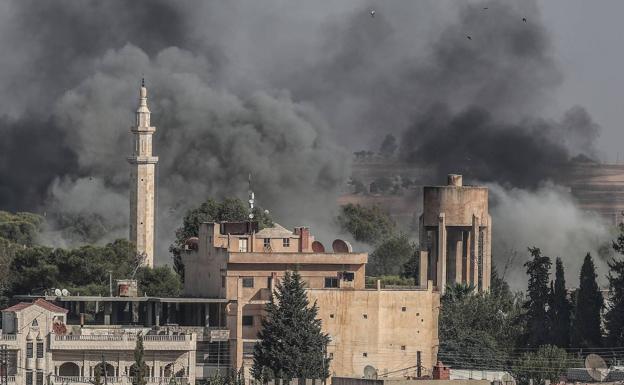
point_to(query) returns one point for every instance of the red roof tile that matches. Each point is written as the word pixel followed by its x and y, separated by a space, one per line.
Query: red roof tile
pixel 39 302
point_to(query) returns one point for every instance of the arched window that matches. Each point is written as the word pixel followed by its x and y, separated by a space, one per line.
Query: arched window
pixel 34 323
pixel 69 369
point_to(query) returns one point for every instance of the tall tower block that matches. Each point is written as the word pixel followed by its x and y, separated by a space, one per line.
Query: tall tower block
pixel 142 182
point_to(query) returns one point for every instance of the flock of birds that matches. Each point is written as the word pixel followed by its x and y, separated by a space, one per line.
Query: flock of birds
pixel 373 12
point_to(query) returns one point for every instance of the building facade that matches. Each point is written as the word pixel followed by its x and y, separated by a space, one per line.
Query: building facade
pixel 42 348
pixel 142 182
pixel 386 329
pixel 456 235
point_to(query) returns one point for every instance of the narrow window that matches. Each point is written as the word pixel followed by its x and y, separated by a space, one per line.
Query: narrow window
pixel 34 323
pixel 267 243
pixel 365 316
pixel 39 377
pixel 331 316
pixel 248 282
pixel 242 245
pixel 403 308
pixel 364 354
pixel 331 282
pixel 286 242
pixel 39 349
pixel 29 353
pixel 402 347
pixel 248 320
pixel 29 378
pixel 223 281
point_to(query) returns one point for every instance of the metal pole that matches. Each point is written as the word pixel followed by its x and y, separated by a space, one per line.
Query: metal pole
pixel 4 364
pixel 110 283
pixel 105 372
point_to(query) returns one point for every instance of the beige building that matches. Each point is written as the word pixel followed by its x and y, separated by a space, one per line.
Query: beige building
pixel 142 182
pixel 386 329
pixel 44 349
pixel 456 235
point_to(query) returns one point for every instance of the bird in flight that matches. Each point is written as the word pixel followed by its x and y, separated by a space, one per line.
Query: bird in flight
pixel 372 13
pixel 468 37
pixel 524 19
pixel 485 7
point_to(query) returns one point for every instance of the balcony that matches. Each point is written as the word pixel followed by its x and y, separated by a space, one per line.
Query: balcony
pixel 122 380
pixel 299 258
pixel 122 342
pixel 10 340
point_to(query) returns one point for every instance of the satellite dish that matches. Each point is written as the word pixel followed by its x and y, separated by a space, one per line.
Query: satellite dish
pixel 370 373
pixel 596 367
pixel 251 216
pixel 58 292
pixel 341 246
pixel 318 247
pixel 64 292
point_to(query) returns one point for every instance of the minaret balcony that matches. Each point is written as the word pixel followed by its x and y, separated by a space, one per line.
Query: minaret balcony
pixel 142 159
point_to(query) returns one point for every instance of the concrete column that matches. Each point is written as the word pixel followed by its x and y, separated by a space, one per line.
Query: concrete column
pixel 466 258
pixel 108 309
pixel 239 325
pixel 474 235
pixel 487 254
pixel 422 233
pixel 423 268
pixel 207 315
pixel 459 254
pixel 441 253
pixel 157 311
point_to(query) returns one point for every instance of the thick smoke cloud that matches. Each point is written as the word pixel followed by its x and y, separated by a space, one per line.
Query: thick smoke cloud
pixel 284 90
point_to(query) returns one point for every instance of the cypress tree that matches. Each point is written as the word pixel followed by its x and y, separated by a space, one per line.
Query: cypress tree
pixel 559 309
pixel 538 296
pixel 291 344
pixel 140 371
pixel 614 319
pixel 586 332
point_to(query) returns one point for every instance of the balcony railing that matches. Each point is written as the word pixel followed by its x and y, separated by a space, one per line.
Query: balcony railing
pixel 121 342
pixel 8 337
pixel 115 380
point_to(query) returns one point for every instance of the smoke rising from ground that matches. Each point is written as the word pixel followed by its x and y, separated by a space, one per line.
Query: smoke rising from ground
pixel 282 90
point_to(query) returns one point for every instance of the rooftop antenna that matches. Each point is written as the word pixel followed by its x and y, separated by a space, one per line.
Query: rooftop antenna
pixel 252 200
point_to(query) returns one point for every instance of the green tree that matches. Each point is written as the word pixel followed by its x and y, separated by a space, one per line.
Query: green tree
pixel 411 267
pixel 537 299
pixel 559 309
pixel 391 255
pixel 291 344
pixel 97 375
pixel 477 329
pixel 160 281
pixel 140 368
pixel 366 224
pixel 547 363
pixel 230 209
pixel 586 330
pixel 20 228
pixel 614 318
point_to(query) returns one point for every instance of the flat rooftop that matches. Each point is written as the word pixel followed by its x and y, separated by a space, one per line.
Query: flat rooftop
pixel 95 298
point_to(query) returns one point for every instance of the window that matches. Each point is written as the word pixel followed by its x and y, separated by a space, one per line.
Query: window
pixel 286 242
pixel 29 378
pixel 242 245
pixel 39 349
pixel 39 377
pixel 347 276
pixel 223 281
pixel 34 323
pixel 248 349
pixel 267 243
pixel 331 355
pixel 364 354
pixel 403 308
pixel 331 282
pixel 248 320
pixel 365 316
pixel 29 351
pixel 402 347
pixel 248 282
pixel 331 316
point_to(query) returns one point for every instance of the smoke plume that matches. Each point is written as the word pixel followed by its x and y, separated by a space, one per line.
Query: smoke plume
pixel 284 91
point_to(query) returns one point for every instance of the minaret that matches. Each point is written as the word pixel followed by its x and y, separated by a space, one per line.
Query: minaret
pixel 142 186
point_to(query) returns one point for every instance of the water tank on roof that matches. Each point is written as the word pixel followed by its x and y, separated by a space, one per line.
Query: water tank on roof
pixel 340 246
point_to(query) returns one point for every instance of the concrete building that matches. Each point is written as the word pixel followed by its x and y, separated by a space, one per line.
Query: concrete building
pixel 44 349
pixel 386 329
pixel 456 235
pixel 142 182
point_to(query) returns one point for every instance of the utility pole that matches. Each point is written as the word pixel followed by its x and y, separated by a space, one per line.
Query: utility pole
pixel 105 373
pixel 110 283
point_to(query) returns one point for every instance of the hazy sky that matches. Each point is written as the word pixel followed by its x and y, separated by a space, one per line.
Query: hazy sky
pixel 589 40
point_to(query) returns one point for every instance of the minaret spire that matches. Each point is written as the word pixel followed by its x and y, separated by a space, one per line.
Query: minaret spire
pixel 142 181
